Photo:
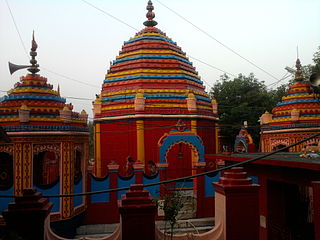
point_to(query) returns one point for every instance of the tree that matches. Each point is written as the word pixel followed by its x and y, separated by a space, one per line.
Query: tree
pixel 243 98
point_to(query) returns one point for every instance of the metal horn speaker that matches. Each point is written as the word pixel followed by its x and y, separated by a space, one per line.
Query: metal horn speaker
pixel 14 67
pixel 315 79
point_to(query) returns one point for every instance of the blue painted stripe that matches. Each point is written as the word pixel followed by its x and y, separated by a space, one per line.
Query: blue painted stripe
pixel 209 188
pixel 144 76
pixel 176 96
pixel 54 190
pixel 118 98
pixel 78 188
pixel 35 97
pixel 153 57
pixel 124 183
pixel 289 126
pixel 298 101
pixel 38 128
pixel 302 115
pixel 205 99
pixel 156 38
pixel 97 185
pixel 153 190
pixel 5 201
pixel 32 87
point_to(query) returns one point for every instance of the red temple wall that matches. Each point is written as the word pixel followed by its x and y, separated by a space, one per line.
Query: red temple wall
pixel 117 142
pixel 207 132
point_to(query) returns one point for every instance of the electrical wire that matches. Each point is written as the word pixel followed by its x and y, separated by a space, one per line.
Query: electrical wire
pixel 109 15
pixel 72 79
pixel 17 29
pixel 181 178
pixel 215 39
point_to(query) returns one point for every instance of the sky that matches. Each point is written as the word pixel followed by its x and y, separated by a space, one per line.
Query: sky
pixel 77 39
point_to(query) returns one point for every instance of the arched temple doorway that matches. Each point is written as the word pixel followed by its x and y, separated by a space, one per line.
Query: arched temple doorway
pixel 179 159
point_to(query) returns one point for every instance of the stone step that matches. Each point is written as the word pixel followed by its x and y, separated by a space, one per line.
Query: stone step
pixel 185 223
pixel 97 229
pixel 189 230
pixel 195 225
pixel 97 235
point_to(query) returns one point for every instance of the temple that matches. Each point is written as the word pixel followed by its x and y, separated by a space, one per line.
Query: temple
pixel 153 108
pixel 294 118
pixel 153 121
pixel 45 145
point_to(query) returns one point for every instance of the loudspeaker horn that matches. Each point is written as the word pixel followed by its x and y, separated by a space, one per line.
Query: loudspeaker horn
pixel 14 67
pixel 315 79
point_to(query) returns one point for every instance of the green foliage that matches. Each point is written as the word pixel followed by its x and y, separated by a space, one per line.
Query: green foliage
pixel 172 205
pixel 243 98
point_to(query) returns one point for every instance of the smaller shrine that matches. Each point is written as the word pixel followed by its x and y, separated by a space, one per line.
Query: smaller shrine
pixel 293 119
pixel 43 144
pixel 244 142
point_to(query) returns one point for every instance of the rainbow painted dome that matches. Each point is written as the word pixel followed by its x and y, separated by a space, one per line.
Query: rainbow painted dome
pixel 300 107
pixel 152 75
pixel 33 105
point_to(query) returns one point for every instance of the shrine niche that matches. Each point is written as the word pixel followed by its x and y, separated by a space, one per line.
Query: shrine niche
pixel 77 166
pixel 244 142
pixel 6 171
pixel 45 168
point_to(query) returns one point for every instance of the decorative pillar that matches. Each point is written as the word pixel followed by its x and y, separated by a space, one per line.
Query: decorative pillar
pixel 113 174
pixel 162 168
pixel 140 141
pixel 67 169
pixel 198 188
pixel 216 133
pixel 237 205
pixel 138 170
pixel 316 208
pixel 97 151
pixel 137 214
pixel 18 165
pixel 27 165
pixel 26 216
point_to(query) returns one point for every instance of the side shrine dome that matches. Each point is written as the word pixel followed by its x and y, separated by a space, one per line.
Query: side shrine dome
pixel 298 113
pixel 151 88
pixel 33 106
pixel 152 75
pixel 48 143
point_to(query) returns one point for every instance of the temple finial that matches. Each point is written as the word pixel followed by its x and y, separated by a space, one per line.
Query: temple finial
pixel 150 15
pixel 34 66
pixel 58 90
pixel 298 75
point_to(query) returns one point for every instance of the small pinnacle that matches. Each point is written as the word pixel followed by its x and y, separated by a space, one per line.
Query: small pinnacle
pixel 150 16
pixel 33 53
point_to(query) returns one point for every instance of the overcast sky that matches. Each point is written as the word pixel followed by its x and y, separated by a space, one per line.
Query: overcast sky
pixel 78 41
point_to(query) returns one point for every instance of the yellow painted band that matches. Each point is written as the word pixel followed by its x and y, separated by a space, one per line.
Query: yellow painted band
pixel 36 90
pixel 97 149
pixel 289 111
pixel 117 107
pixel 150 34
pixel 194 126
pixel 182 91
pixel 298 96
pixel 289 119
pixel 149 72
pixel 140 141
pixel 140 52
pixel 32 108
